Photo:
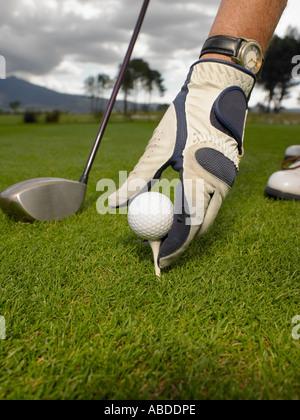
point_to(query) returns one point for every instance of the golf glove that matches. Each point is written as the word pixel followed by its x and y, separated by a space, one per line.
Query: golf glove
pixel 201 137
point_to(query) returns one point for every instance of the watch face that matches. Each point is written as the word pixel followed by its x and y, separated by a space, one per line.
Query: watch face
pixel 252 57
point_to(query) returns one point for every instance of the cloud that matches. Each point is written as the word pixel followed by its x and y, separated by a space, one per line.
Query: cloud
pixel 58 43
pixel 36 40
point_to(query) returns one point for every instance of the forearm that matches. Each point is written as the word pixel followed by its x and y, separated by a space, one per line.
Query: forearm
pixel 254 19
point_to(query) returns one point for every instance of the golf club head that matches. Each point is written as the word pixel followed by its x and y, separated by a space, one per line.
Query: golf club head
pixel 43 199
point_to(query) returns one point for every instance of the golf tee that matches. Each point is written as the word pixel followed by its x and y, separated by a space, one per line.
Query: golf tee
pixel 155 248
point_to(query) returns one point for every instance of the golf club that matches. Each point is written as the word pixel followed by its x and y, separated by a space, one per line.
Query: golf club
pixel 47 199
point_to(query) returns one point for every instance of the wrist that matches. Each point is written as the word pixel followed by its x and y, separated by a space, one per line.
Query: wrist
pixel 217 57
pixel 245 52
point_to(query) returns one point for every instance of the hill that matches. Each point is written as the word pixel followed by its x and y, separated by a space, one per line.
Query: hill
pixel 38 98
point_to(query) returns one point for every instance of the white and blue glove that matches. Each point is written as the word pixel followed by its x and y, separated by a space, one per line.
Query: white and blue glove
pixel 201 137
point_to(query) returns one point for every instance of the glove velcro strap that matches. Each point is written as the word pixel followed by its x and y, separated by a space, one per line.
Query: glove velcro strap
pixel 229 114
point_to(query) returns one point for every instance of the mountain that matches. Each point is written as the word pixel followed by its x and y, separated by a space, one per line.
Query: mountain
pixel 38 98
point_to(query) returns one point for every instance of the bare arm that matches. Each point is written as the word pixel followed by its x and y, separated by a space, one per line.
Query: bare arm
pixel 252 19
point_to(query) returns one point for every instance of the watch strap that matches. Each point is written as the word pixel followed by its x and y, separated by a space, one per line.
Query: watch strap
pixel 221 44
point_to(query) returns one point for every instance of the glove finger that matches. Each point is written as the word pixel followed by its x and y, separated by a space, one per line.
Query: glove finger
pixel 177 241
pixel 205 188
pixel 181 233
pixel 153 162
pixel 211 213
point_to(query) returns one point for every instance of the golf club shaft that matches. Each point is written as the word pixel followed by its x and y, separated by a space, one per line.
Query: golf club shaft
pixel 85 175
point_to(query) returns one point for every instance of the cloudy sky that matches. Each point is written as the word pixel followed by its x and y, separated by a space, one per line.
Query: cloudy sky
pixel 59 43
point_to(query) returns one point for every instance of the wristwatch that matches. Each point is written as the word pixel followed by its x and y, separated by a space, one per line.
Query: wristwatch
pixel 245 52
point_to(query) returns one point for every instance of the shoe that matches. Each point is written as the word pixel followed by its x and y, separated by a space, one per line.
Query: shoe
pixel 285 184
pixel 292 151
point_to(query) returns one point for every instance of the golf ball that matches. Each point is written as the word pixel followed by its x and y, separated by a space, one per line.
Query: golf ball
pixel 150 216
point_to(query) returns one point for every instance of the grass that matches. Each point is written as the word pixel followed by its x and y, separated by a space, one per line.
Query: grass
pixel 86 319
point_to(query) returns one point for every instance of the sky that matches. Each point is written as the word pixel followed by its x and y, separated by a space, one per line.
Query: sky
pixel 59 43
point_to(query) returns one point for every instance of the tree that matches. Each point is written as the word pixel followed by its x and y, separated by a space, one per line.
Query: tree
pixel 90 90
pixel 95 88
pixel 277 76
pixel 15 105
pixel 103 82
pixel 154 80
pixel 134 74
pixel 140 76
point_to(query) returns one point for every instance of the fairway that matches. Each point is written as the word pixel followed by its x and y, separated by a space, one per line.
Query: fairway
pixel 87 319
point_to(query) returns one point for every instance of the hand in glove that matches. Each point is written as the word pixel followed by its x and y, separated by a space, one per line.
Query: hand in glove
pixel 201 137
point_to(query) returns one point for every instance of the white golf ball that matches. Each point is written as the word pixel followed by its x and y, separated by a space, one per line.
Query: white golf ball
pixel 150 216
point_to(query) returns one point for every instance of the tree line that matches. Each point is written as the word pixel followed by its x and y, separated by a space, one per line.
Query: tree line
pixel 280 75
pixel 281 72
pixel 138 77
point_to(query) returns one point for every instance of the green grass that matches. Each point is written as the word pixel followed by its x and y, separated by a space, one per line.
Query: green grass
pixel 86 319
